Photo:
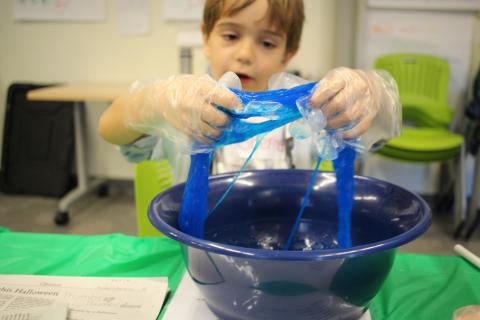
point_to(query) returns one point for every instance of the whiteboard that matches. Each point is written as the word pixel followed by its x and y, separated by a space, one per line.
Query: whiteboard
pixel 133 17
pixel 445 34
pixel 183 10
pixel 450 5
pixel 59 10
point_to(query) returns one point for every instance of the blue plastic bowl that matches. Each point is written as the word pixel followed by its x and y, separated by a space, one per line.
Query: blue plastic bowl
pixel 241 277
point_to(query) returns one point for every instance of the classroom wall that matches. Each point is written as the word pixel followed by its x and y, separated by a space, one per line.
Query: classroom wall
pixel 95 51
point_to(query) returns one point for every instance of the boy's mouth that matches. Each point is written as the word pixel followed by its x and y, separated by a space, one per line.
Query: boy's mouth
pixel 244 78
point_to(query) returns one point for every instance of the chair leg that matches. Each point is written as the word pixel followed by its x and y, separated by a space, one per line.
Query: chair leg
pixel 473 215
pixel 475 225
pixel 460 204
pixel 444 198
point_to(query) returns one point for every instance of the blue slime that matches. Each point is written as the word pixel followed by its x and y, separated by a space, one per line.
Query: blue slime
pixel 278 108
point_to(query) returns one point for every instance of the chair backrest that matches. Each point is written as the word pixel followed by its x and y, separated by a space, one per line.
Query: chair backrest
pixel 151 178
pixel 423 85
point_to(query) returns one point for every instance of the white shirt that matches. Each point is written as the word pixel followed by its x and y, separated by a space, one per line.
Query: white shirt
pixel 270 154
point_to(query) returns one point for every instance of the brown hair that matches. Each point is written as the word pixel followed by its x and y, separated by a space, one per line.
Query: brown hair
pixel 284 15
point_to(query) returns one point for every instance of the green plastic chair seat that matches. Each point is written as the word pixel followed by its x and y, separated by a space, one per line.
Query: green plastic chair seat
pixel 426 139
pixel 423 144
pixel 151 178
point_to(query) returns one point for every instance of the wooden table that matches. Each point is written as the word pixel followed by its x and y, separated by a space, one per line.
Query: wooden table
pixel 78 93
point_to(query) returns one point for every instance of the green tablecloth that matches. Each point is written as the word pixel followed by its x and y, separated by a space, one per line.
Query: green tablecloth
pixel 426 287
pixel 419 286
pixel 113 255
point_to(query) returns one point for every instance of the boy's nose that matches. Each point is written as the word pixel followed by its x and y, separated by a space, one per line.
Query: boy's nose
pixel 245 53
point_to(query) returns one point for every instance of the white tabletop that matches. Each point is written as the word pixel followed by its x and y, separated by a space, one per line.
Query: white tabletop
pixel 188 304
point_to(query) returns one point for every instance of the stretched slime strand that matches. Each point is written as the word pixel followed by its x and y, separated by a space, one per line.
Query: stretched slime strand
pixel 193 210
pixel 305 199
pixel 257 144
pixel 344 171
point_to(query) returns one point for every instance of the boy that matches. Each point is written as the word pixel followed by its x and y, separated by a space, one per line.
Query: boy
pixel 254 39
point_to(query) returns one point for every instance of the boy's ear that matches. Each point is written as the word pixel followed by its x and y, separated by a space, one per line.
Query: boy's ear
pixel 206 46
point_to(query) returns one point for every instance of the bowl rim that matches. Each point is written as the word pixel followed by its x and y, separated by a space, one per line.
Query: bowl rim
pixel 290 255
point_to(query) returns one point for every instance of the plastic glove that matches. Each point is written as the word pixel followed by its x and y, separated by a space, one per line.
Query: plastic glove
pixel 311 138
pixel 388 121
pixel 230 80
pixel 355 100
pixel 180 108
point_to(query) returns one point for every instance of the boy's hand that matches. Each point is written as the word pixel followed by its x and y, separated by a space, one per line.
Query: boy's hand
pixel 186 102
pixel 349 99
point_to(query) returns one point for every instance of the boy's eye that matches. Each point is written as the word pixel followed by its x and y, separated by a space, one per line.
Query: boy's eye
pixel 268 44
pixel 229 36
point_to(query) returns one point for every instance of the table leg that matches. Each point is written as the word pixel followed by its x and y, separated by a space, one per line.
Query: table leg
pixel 84 184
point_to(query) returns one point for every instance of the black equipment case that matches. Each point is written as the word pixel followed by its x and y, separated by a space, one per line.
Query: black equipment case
pixel 38 145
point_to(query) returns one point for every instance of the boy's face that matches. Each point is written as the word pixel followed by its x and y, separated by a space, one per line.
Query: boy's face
pixel 248 45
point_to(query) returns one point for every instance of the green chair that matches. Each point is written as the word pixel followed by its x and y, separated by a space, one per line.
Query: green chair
pixel 423 85
pixel 151 178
